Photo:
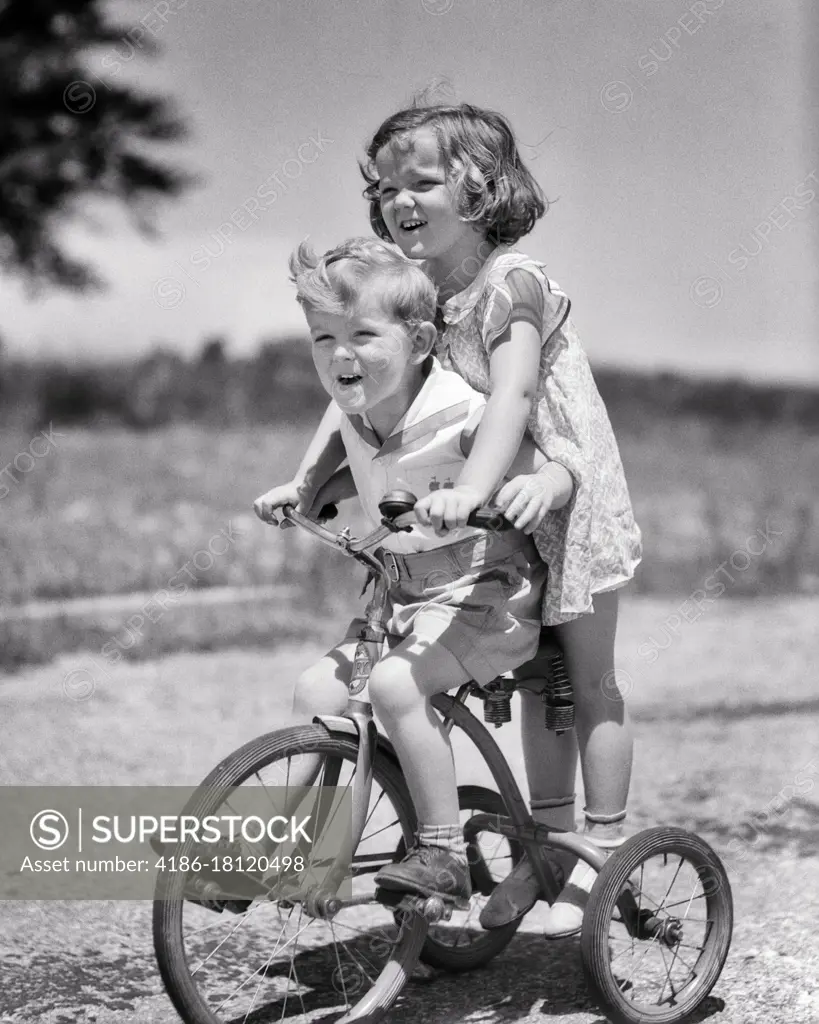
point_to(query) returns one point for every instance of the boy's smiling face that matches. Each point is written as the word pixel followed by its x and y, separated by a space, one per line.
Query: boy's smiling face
pixel 367 360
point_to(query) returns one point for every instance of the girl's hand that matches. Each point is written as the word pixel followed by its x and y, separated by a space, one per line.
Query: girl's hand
pixel 448 508
pixel 526 499
pixel 292 493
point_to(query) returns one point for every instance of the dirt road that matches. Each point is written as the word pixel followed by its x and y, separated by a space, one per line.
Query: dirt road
pixel 726 714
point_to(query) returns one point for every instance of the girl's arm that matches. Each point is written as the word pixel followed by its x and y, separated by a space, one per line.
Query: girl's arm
pixel 514 364
pixel 534 485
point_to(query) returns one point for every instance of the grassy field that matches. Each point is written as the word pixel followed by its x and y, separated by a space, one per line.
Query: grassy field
pixel 113 512
pixel 725 719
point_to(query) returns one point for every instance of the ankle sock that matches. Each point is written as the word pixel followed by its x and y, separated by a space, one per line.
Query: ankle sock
pixel 605 830
pixel 448 837
pixel 557 812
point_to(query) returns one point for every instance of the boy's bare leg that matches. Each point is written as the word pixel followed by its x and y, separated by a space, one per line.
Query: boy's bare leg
pixel 320 690
pixel 401 686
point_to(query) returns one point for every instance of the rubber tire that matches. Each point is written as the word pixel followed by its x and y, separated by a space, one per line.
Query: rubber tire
pixel 491 942
pixel 594 945
pixel 233 771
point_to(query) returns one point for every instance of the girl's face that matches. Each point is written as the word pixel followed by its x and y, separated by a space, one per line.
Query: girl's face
pixel 417 203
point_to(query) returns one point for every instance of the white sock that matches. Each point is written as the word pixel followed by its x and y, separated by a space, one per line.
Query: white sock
pixel 606 832
pixel 448 837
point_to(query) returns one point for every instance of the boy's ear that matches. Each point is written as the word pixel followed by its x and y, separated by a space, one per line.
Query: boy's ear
pixel 423 342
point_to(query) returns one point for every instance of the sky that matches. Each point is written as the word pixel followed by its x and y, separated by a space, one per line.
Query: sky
pixel 677 139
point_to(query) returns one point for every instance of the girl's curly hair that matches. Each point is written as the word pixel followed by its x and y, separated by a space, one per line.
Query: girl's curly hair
pixel 494 189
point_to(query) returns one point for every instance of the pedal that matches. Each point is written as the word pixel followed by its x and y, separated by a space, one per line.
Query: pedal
pixel 389 897
pixel 217 906
pixel 435 907
pixel 237 906
pixel 204 894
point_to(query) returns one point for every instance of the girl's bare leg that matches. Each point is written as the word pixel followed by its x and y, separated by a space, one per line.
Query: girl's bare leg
pixel 602 723
pixel 551 767
pixel 551 764
pixel 606 747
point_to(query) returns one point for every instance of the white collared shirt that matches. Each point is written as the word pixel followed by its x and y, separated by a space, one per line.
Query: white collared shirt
pixel 422 453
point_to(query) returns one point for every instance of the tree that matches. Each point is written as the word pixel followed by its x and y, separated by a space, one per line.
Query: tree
pixel 68 134
pixel 213 352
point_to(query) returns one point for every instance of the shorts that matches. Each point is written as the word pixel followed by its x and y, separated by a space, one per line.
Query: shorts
pixel 480 598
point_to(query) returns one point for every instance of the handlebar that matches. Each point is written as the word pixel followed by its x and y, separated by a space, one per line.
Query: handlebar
pixel 486 518
pixel 397 508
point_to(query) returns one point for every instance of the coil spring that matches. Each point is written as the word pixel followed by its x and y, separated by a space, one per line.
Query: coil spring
pixel 497 708
pixel 557 697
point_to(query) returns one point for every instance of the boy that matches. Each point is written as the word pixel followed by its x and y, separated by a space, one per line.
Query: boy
pixel 465 603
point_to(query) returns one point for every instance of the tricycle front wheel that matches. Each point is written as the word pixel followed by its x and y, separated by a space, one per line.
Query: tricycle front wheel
pixel 268 956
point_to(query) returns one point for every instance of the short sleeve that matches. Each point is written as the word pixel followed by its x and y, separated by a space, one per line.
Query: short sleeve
pixel 522 297
pixel 477 407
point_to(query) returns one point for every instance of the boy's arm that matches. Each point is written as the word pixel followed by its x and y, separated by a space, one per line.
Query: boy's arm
pixel 338 488
pixel 324 454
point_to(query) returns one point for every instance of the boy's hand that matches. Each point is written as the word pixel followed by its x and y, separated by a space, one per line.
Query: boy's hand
pixel 448 508
pixel 526 499
pixel 292 493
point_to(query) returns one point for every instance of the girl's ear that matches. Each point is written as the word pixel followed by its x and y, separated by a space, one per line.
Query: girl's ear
pixel 423 342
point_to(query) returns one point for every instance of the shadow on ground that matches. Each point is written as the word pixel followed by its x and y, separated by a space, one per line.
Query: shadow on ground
pixel 530 980
pixel 533 979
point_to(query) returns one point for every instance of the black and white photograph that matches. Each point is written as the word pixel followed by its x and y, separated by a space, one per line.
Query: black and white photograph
pixel 409 524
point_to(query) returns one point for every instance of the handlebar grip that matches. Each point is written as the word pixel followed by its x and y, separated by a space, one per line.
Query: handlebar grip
pixel 489 519
pixel 396 503
pixel 328 511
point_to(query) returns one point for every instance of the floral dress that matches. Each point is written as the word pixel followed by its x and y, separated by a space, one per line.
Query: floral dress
pixel 593 543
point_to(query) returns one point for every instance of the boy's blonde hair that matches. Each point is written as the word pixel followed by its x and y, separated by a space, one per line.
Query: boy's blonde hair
pixel 336 281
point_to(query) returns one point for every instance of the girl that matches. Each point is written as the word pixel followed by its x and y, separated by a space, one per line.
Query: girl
pixel 447 184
